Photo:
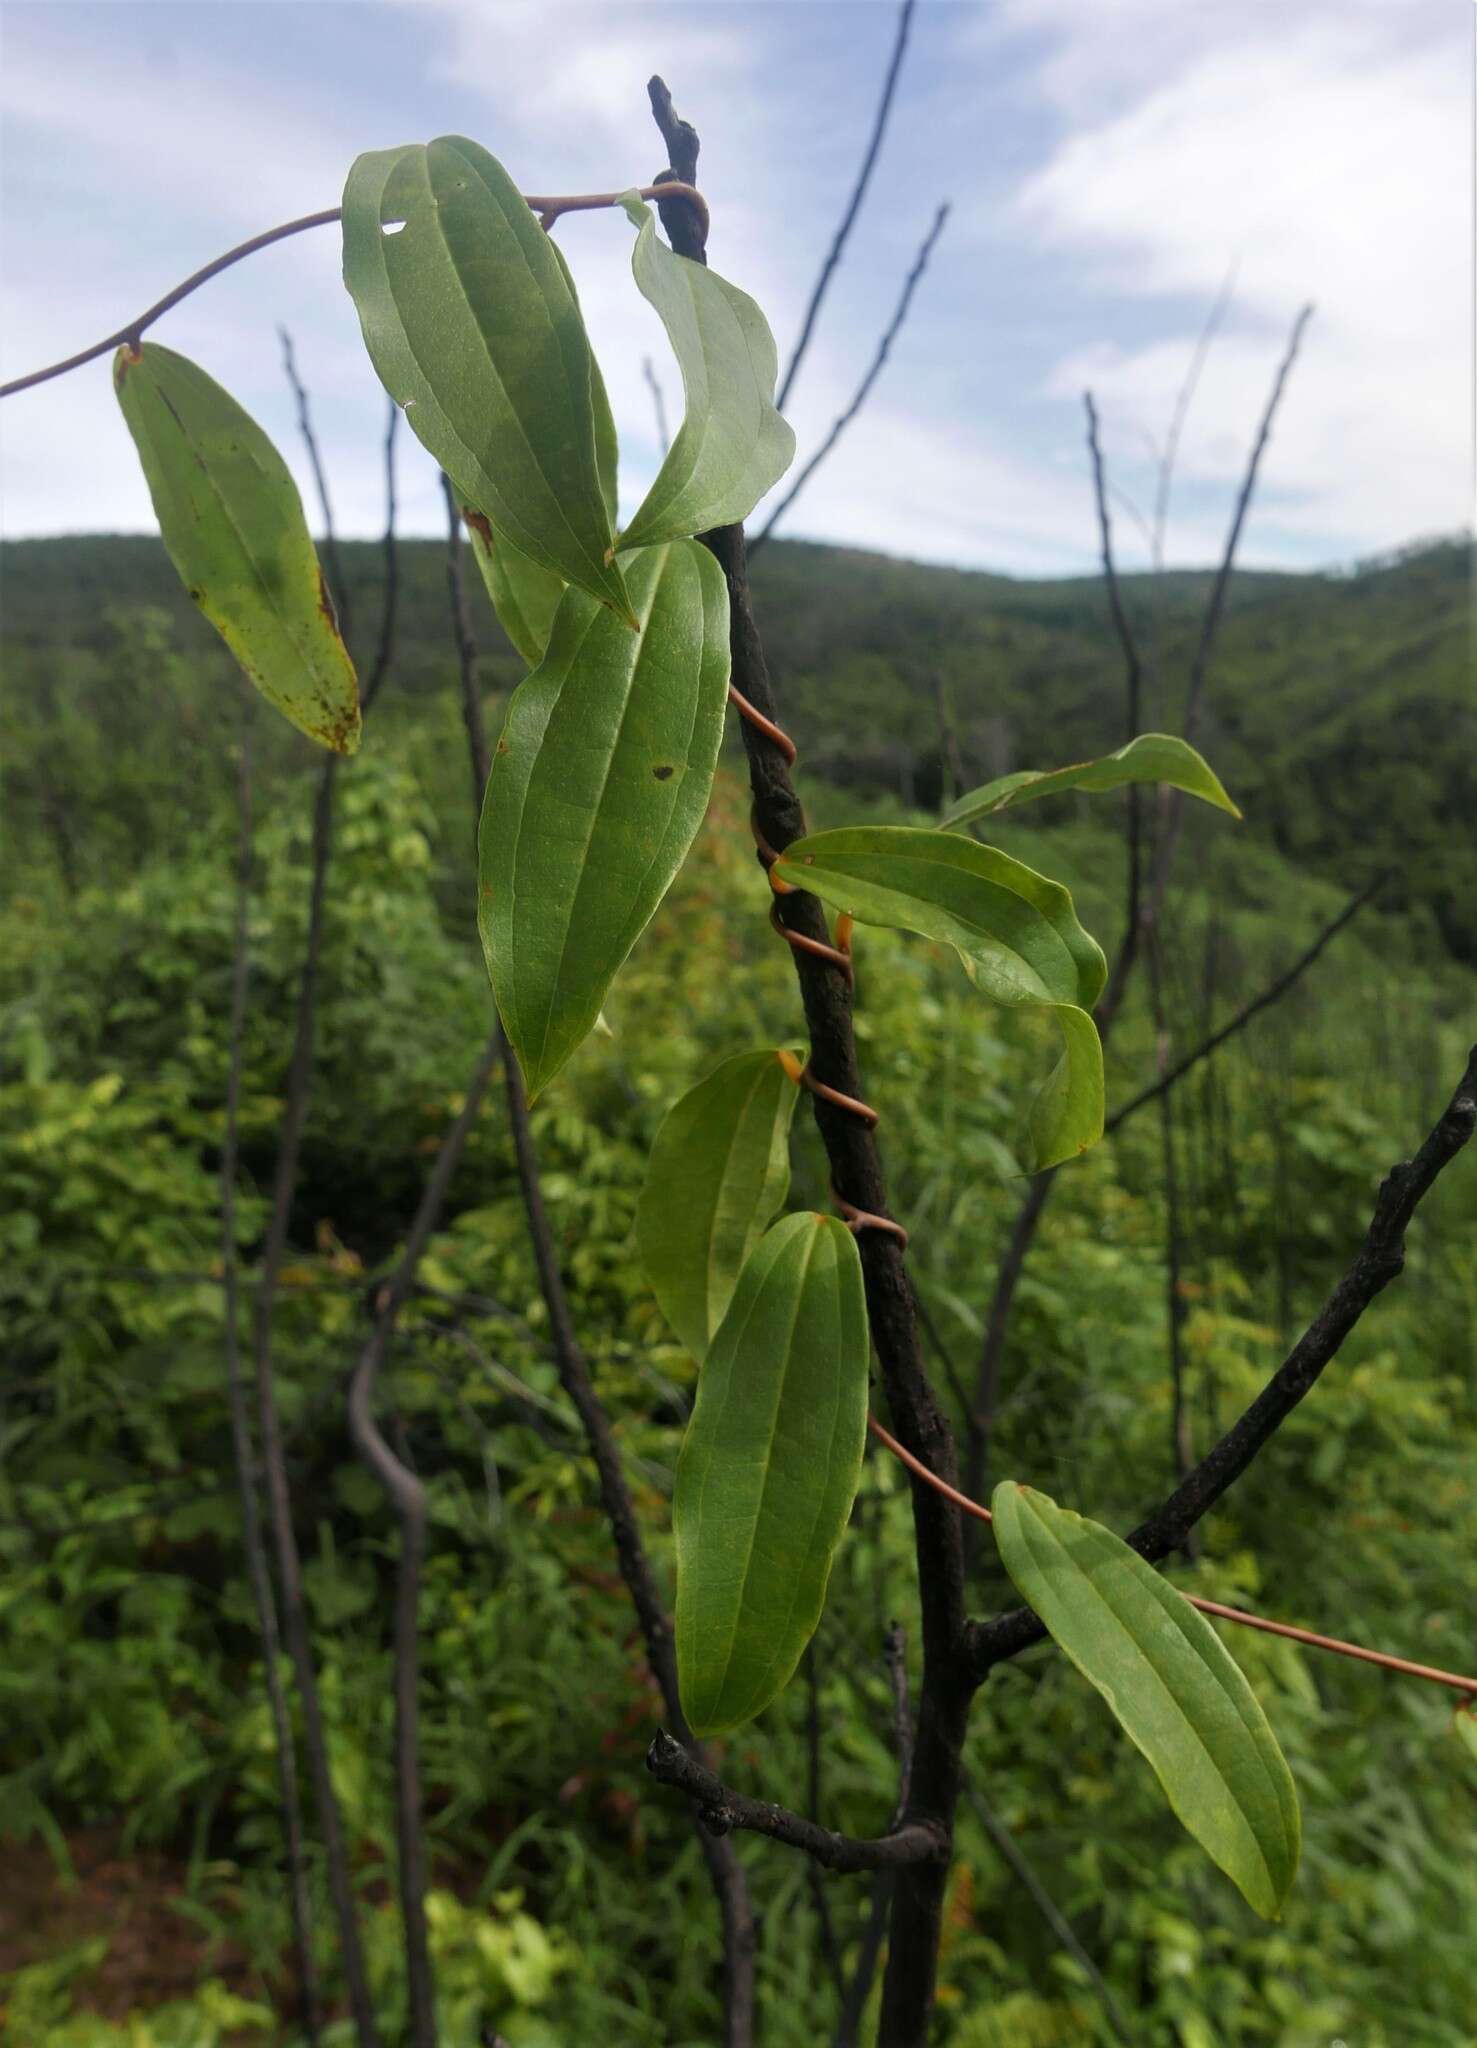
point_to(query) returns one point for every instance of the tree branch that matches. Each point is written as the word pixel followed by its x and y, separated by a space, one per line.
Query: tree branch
pixel 258 1571
pixel 853 207
pixel 884 349
pixel 1028 1216
pixel 721 1810
pixel 1243 1016
pixel 1380 1260
pixel 320 479
pixel 385 650
pixel 407 1496
pixel 857 1175
pixel 274 1465
pixel 1011 1855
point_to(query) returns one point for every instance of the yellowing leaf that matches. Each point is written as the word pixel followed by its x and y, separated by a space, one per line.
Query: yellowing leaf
pixel 232 521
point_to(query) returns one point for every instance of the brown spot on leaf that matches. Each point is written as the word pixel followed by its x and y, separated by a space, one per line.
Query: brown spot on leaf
pixel 663 773
pixel 325 604
pixel 502 746
pixel 480 524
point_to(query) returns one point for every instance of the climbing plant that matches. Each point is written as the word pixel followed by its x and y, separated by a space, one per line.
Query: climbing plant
pixel 637 637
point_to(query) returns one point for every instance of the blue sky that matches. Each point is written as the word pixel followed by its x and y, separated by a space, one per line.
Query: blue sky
pixel 1110 163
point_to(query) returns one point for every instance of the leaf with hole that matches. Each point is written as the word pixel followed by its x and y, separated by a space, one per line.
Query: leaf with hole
pixel 232 521
pixel 1152 757
pixel 1173 1686
pixel 471 320
pixel 1016 932
pixel 598 786
pixel 718 1174
pixel 769 1469
pixel 732 445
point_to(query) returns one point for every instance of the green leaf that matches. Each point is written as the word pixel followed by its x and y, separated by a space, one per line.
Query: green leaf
pixel 769 1469
pixel 1016 932
pixel 1152 757
pixel 1175 1689
pixel 524 596
pixel 732 445
pixel 232 521
pixel 471 320
pixel 719 1172
pixel 598 787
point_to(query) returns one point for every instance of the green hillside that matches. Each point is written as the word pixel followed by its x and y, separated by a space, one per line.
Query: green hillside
pixel 1340 709
pixel 142 1869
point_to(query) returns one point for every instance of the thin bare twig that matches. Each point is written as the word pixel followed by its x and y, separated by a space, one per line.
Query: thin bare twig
pixel 320 479
pixel 853 205
pixel 1379 1260
pixel 879 1906
pixel 659 404
pixel 1269 995
pixel 384 652
pixel 407 1496
pixel 258 1571
pixel 819 1897
pixel 1133 693
pixel 723 1809
pixel 274 1464
pixel 884 349
pixel 1214 610
pixel 1015 1861
pixel 1151 901
pixel 548 207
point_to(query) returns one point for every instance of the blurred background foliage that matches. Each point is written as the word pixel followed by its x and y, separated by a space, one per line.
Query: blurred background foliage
pixel 142 1899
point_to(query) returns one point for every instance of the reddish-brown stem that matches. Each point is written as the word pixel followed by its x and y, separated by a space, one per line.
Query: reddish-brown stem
pixel 547 208
pixel 1274 1628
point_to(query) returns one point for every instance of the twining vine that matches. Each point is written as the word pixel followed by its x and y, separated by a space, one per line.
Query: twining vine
pixel 636 637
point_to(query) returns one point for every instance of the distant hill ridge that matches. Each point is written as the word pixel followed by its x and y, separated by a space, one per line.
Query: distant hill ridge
pixel 1340 707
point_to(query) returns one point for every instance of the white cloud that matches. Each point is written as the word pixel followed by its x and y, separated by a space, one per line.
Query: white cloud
pixel 1330 164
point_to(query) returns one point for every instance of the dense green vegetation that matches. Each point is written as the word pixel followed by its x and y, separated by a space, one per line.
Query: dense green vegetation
pixel 571 1902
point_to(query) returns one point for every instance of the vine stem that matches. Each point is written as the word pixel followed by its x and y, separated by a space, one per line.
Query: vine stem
pixel 1237 1614
pixel 547 207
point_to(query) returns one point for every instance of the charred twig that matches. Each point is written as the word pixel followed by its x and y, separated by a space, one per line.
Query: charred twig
pixel 320 479
pixel 1379 1260
pixel 813 1763
pixel 407 1496
pixel 853 205
pixel 1123 965
pixel 1150 903
pixel 874 1933
pixel 1244 1015
pixel 384 652
pixel 721 1810
pixel 884 349
pixel 1173 811
pixel 1014 1859
pixel 659 404
pixel 258 1571
pixel 274 1466
pixel 856 1167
